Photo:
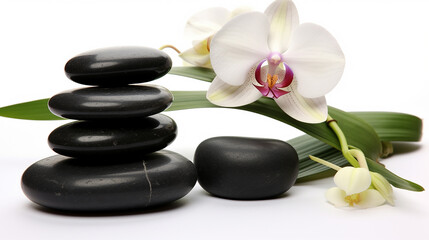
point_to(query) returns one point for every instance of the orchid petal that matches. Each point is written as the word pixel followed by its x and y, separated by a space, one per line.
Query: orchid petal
pixel 316 60
pixel 352 180
pixel 241 10
pixel 201 46
pixel 223 94
pixel 198 55
pixel 370 198
pixel 337 197
pixel 206 23
pixel 309 110
pixel 238 46
pixel 284 19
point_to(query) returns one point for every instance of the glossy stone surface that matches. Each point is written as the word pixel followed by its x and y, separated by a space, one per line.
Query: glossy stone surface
pixel 113 138
pixel 246 168
pixel 64 183
pixel 118 66
pixel 110 103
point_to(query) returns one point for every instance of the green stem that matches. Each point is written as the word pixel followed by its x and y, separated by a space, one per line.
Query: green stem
pixel 326 163
pixel 343 142
pixel 358 154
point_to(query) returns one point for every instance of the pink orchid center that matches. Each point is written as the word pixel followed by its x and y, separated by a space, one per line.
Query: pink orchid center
pixel 271 86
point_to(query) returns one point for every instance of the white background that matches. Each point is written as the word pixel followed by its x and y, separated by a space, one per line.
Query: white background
pixel 386 43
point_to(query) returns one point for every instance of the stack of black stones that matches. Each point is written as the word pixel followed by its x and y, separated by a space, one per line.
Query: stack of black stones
pixel 111 158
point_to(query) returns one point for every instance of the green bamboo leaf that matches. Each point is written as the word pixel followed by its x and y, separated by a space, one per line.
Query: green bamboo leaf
pixel 358 132
pixel 200 73
pixel 34 110
pixel 393 126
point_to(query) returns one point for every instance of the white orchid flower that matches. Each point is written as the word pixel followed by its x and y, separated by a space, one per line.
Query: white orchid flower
pixel 353 189
pixel 303 62
pixel 200 29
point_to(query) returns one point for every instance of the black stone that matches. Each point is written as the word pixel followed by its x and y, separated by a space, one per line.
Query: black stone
pixel 246 168
pixel 118 66
pixel 110 103
pixel 113 138
pixel 69 184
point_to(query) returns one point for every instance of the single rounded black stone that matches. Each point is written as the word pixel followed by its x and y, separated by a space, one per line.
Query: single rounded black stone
pixel 110 103
pixel 113 138
pixel 70 184
pixel 118 66
pixel 246 168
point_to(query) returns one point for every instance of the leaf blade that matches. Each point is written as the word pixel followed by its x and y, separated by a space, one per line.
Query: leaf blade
pixel 392 126
pixel 33 110
pixel 200 73
pixel 364 138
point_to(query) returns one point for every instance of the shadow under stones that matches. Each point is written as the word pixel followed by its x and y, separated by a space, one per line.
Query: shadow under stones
pixel 281 196
pixel 116 213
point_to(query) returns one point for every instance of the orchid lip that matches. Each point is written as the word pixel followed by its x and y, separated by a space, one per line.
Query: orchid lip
pixel 272 87
pixel 353 199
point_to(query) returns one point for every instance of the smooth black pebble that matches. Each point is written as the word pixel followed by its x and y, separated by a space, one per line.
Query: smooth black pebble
pixel 118 66
pixel 246 168
pixel 95 103
pixel 69 184
pixel 113 138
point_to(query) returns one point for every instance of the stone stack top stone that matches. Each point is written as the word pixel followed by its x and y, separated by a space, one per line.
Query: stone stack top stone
pixel 118 66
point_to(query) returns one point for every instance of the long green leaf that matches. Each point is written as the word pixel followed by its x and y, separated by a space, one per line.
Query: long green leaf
pixel 34 110
pixel 200 73
pixel 393 126
pixel 358 132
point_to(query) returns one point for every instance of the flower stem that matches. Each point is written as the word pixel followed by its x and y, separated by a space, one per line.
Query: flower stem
pixel 343 142
pixel 324 162
pixel 170 46
pixel 358 154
